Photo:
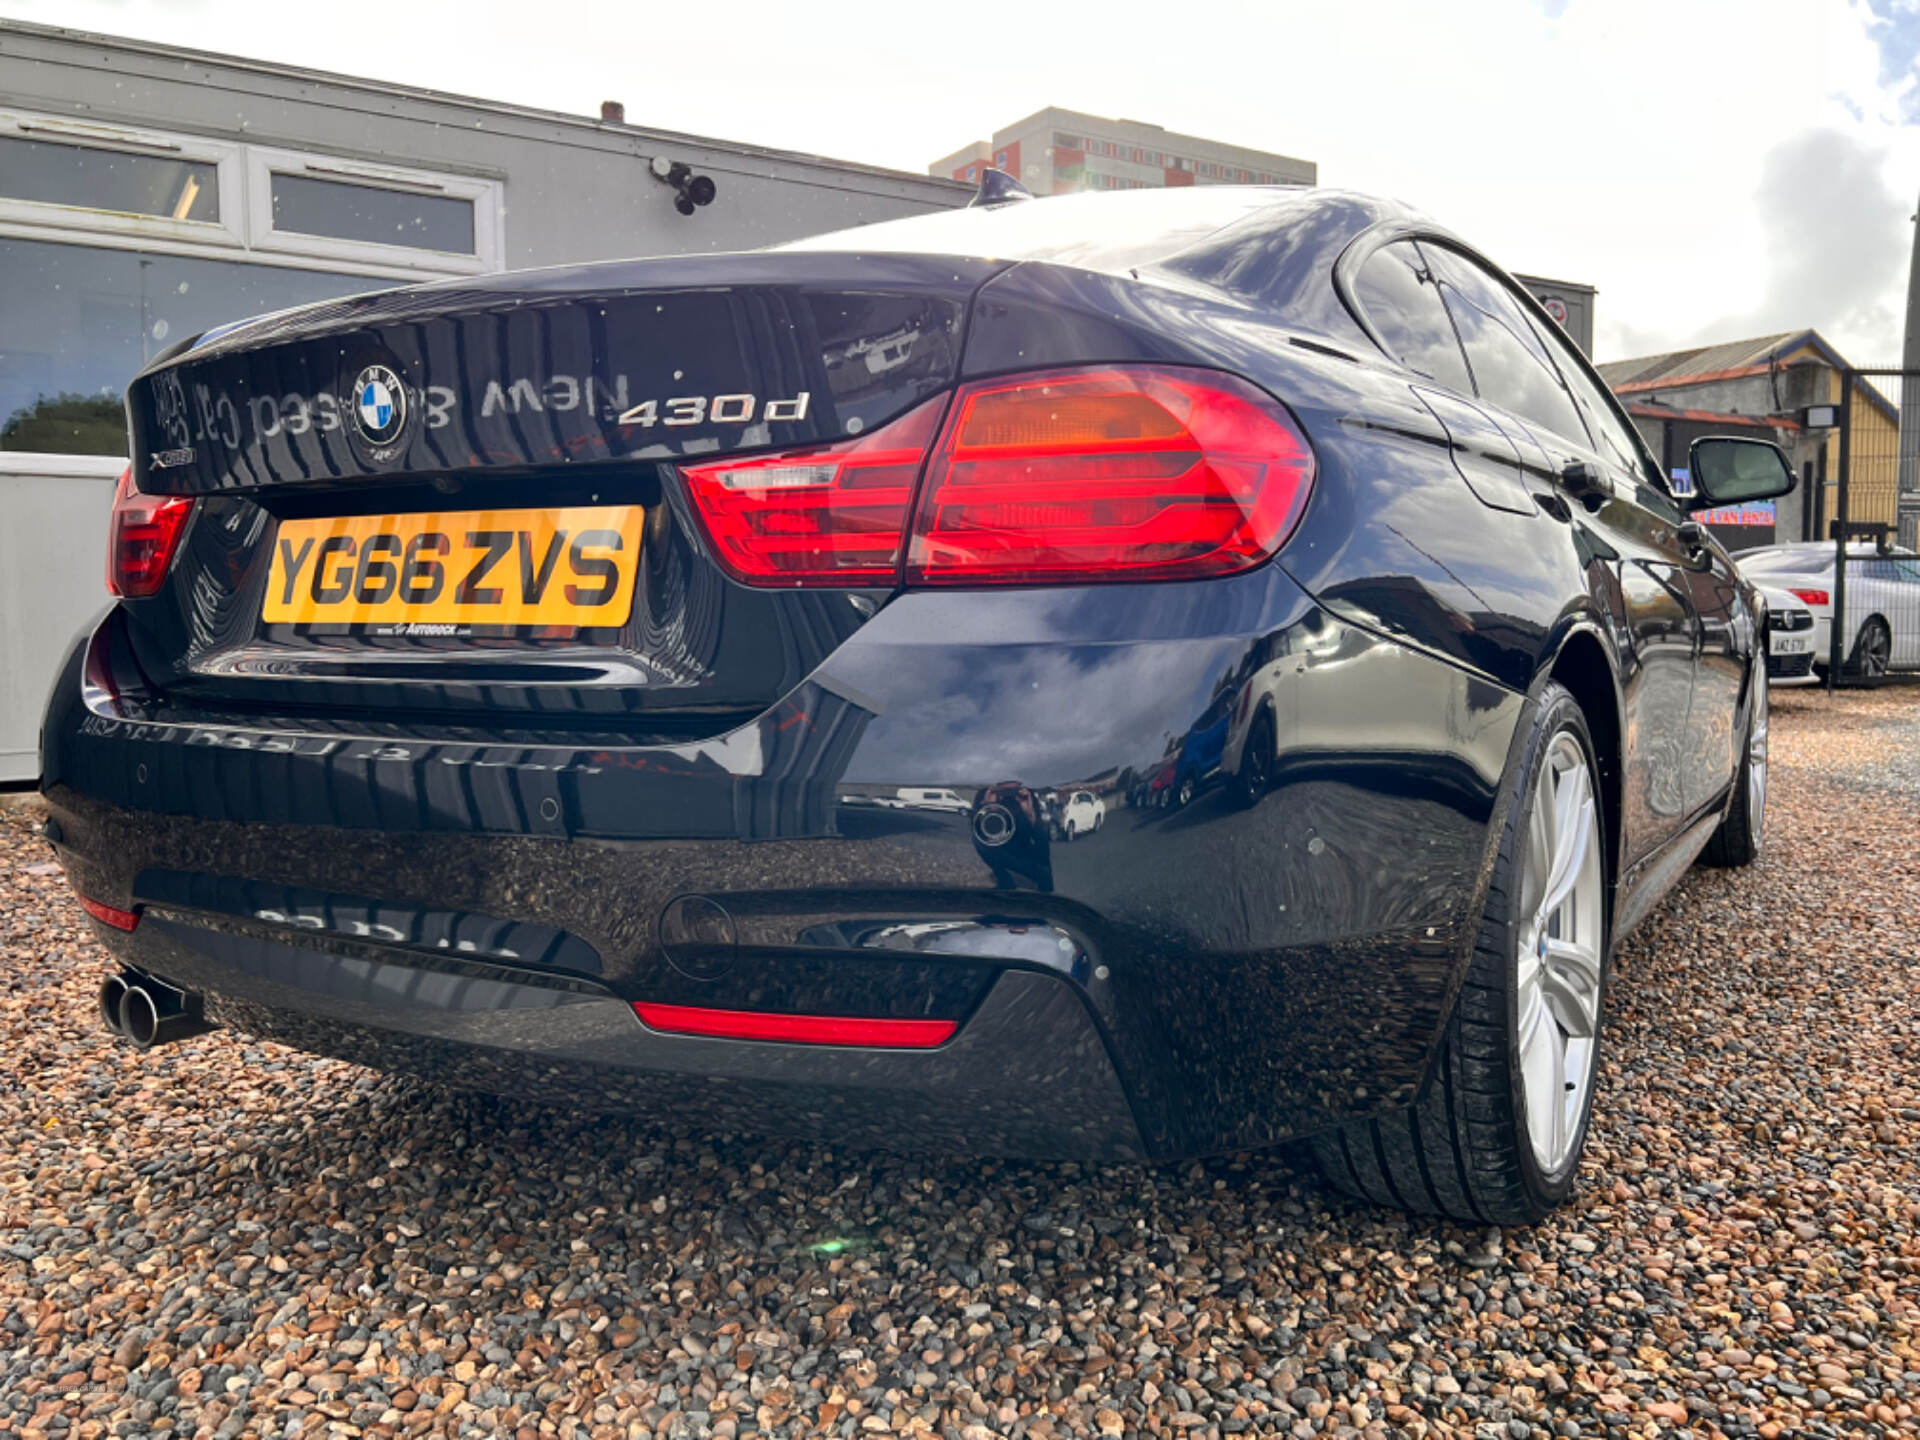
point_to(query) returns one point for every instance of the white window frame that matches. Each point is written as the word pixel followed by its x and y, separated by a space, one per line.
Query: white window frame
pixel 62 222
pixel 244 234
pixel 245 230
pixel 489 220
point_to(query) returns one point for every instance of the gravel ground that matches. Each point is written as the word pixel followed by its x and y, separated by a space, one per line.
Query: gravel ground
pixel 227 1238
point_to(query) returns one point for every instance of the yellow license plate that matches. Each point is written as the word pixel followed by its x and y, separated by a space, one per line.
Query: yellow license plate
pixel 572 566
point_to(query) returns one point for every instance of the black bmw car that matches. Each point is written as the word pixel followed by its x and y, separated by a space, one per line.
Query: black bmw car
pixel 656 685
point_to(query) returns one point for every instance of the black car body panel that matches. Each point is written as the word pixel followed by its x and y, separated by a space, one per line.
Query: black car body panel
pixel 1319 989
pixel 534 369
pixel 471 855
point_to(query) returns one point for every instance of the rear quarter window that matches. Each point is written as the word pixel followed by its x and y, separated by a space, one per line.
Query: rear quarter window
pixel 1510 366
pixel 1397 293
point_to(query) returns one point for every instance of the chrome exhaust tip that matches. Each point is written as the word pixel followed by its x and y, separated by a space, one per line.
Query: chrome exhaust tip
pixel 113 990
pixel 154 1014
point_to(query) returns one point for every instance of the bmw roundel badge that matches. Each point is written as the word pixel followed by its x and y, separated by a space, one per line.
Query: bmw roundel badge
pixel 379 407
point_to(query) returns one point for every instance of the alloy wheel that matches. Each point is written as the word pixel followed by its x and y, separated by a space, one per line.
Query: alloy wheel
pixel 1559 962
pixel 1876 650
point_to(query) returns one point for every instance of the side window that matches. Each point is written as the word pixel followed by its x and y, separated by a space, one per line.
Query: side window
pixel 1610 435
pixel 1399 295
pixel 1509 366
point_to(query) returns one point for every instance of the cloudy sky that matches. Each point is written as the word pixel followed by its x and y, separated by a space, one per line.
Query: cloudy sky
pixel 1716 169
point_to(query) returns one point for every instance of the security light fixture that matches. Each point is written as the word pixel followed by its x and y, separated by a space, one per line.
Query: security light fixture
pixel 690 190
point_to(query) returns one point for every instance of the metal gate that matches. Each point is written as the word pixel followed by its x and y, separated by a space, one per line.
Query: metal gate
pixel 1875 632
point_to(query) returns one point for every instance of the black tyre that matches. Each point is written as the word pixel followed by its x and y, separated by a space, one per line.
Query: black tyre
pixel 1495 1137
pixel 1737 840
pixel 1256 761
pixel 1872 653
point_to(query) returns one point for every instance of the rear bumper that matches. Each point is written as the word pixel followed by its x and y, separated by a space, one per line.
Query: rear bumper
pixel 1027 1075
pixel 1180 982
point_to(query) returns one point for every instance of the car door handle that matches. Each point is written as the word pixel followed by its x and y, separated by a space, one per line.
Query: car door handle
pixel 1584 482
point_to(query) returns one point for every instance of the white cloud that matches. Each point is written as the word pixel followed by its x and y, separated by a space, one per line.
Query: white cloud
pixel 1637 145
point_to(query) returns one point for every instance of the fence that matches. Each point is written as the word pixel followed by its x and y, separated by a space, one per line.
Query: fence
pixel 1875 633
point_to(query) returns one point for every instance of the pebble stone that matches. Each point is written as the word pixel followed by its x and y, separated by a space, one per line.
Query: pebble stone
pixel 228 1239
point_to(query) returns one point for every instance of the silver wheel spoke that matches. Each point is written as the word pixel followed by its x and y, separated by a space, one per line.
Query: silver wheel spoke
pixel 1558 964
pixel 1570 980
pixel 1543 1061
pixel 1572 825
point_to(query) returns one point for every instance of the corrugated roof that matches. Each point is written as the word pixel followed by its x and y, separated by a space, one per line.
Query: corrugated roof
pixel 1730 360
pixel 1708 362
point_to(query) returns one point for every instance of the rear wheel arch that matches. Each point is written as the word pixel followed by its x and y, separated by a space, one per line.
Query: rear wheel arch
pixel 1584 666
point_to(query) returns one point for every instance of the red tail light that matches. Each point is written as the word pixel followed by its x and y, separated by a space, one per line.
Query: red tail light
pixel 799 1029
pixel 1812 597
pixel 145 531
pixel 107 915
pixel 827 516
pixel 1136 473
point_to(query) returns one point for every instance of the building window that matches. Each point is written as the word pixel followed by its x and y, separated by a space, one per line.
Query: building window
pixel 45 172
pixel 67 175
pixel 305 205
pixel 347 210
pixel 81 320
pixel 116 243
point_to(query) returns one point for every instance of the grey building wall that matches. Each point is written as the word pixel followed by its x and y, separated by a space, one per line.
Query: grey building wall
pixel 576 188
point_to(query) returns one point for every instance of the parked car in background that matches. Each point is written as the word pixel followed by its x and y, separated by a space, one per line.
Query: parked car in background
pixel 938 797
pixel 1201 754
pixel 1083 814
pixel 1882 601
pixel 1793 638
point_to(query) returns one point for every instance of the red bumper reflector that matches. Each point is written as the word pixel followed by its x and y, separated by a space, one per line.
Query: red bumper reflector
pixel 796 1029
pixel 107 915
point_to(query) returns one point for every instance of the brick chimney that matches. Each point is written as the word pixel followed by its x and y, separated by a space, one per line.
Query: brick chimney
pixel 612 112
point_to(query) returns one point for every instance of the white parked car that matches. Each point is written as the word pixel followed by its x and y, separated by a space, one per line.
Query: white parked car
pixel 1794 639
pixel 1083 814
pixel 914 797
pixel 1883 601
